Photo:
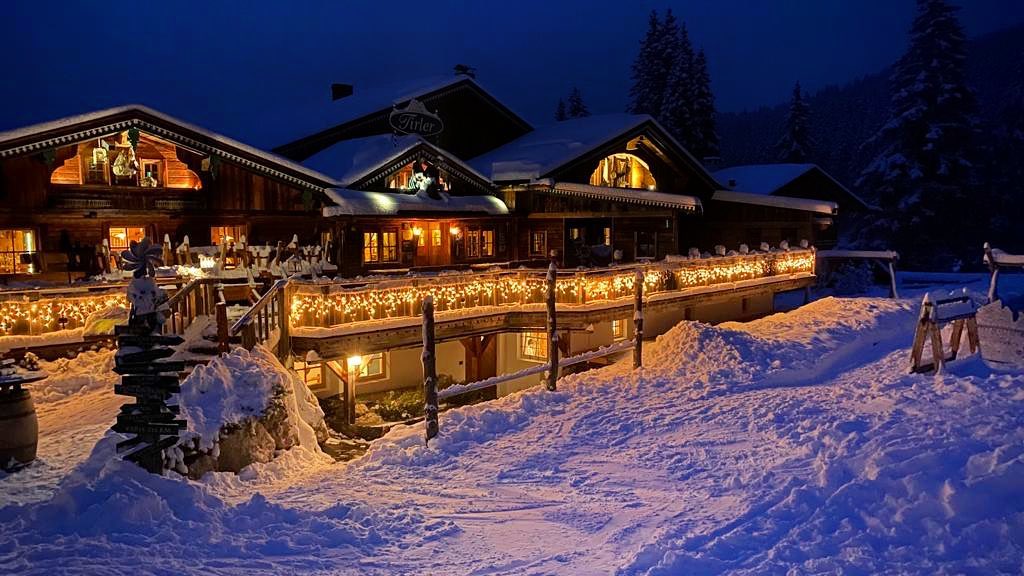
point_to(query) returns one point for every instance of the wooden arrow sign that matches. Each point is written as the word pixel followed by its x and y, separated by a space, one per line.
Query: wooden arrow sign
pixel 159 428
pixel 148 340
pixel 164 381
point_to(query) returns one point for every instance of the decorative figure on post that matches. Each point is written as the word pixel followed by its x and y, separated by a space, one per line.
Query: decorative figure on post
pixel 142 361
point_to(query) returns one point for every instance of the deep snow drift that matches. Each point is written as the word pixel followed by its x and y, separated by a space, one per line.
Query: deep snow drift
pixel 793 444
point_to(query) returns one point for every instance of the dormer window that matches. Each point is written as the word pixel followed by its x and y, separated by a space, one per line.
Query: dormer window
pixel 623 171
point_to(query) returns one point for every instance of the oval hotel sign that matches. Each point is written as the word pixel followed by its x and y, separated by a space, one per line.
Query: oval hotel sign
pixel 415 119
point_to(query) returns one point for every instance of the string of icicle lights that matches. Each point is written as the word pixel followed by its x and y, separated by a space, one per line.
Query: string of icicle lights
pixel 49 315
pixel 310 306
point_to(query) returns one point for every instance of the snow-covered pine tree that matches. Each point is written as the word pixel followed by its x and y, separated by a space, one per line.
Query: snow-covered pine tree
pixel 677 111
pixel 648 78
pixel 706 142
pixel 795 144
pixel 921 174
pixel 560 111
pixel 1004 170
pixel 577 108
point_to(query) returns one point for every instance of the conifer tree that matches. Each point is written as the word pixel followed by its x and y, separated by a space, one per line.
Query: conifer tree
pixel 705 143
pixel 795 144
pixel 922 172
pixel 677 113
pixel 648 78
pixel 577 108
pixel 560 111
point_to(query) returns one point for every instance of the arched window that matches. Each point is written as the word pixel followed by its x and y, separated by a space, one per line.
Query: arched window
pixel 623 171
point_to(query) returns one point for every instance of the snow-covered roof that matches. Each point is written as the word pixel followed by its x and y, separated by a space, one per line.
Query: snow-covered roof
pixel 629 195
pixel 72 129
pixel 325 114
pixel 768 179
pixel 807 205
pixel 535 154
pixel 353 160
pixel 363 203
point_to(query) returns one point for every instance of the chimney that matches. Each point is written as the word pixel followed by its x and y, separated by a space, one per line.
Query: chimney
pixel 339 91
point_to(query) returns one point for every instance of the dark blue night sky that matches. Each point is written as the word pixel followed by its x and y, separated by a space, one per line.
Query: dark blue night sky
pixel 225 66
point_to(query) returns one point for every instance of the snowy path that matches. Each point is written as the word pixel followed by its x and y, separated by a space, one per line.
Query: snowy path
pixel 797 441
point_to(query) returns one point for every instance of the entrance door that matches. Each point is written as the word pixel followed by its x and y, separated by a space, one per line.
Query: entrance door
pixel 432 244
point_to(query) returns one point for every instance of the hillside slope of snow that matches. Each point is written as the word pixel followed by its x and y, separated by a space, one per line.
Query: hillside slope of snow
pixel 797 443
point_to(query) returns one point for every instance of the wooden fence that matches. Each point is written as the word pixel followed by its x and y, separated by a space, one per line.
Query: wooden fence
pixel 551 368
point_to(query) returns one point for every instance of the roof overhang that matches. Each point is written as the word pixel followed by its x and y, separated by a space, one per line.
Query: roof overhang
pixel 75 129
pixel 624 195
pixel 420 148
pixel 365 203
pixel 786 202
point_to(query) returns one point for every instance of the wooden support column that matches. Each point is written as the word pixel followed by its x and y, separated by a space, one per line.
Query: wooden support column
pixel 429 370
pixel 284 343
pixel 993 268
pixel 638 320
pixel 552 376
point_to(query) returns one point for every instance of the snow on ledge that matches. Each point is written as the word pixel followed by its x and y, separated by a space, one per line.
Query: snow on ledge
pixel 807 205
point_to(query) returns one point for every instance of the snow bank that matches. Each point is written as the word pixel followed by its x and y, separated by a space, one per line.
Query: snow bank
pixel 88 371
pixel 109 510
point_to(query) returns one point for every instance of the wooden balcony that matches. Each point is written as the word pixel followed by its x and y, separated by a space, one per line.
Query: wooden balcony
pixel 125 198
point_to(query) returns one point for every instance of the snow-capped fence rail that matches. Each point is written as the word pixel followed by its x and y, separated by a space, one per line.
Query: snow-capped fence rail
pixel 552 368
pixel 996 259
pixel 266 322
pixel 887 258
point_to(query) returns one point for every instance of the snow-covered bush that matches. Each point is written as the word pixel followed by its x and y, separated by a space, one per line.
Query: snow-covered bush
pixel 852 278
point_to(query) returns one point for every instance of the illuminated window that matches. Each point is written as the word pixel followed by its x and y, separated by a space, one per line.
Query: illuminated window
pixel 371 247
pixel 97 167
pixel 400 180
pixel 151 173
pixel 121 237
pixel 487 242
pixel 618 329
pixel 17 249
pixel 374 367
pixel 606 234
pixel 538 243
pixel 473 243
pixel 389 247
pixel 479 243
pixel 310 372
pixel 226 233
pixel 435 237
pixel 623 171
pixel 533 346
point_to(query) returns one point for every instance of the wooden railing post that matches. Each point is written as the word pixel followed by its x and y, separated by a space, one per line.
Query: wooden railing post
pixel 284 343
pixel 552 377
pixel 993 268
pixel 638 320
pixel 222 319
pixel 429 370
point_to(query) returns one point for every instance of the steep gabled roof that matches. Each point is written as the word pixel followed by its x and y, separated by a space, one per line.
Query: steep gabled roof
pixel 544 151
pixel 356 162
pixel 81 127
pixel 314 128
pixel 768 179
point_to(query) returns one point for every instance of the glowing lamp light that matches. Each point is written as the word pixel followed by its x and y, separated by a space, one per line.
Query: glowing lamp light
pixel 455 230
pixel 354 361
pixel 207 262
pixel 416 231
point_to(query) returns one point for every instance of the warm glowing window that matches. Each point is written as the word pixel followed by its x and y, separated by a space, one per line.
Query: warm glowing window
pixel 533 346
pixel 479 243
pixel 606 235
pixel 152 173
pixel 121 237
pixel 227 234
pixel 374 367
pixel 97 167
pixel 389 247
pixel 623 171
pixel 311 372
pixel 435 237
pixel 400 180
pixel 538 243
pixel 618 329
pixel 487 242
pixel 17 249
pixel 371 247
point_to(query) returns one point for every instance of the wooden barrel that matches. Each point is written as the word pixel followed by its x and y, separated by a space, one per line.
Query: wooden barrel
pixel 19 429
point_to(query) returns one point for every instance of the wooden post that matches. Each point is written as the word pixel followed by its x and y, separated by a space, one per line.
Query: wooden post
pixel 429 370
pixel 552 279
pixel 350 393
pixel 222 319
pixel 284 343
pixel 892 281
pixel 993 267
pixel 638 320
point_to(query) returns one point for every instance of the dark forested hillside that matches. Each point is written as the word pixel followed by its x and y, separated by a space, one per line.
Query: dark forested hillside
pixel 842 118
